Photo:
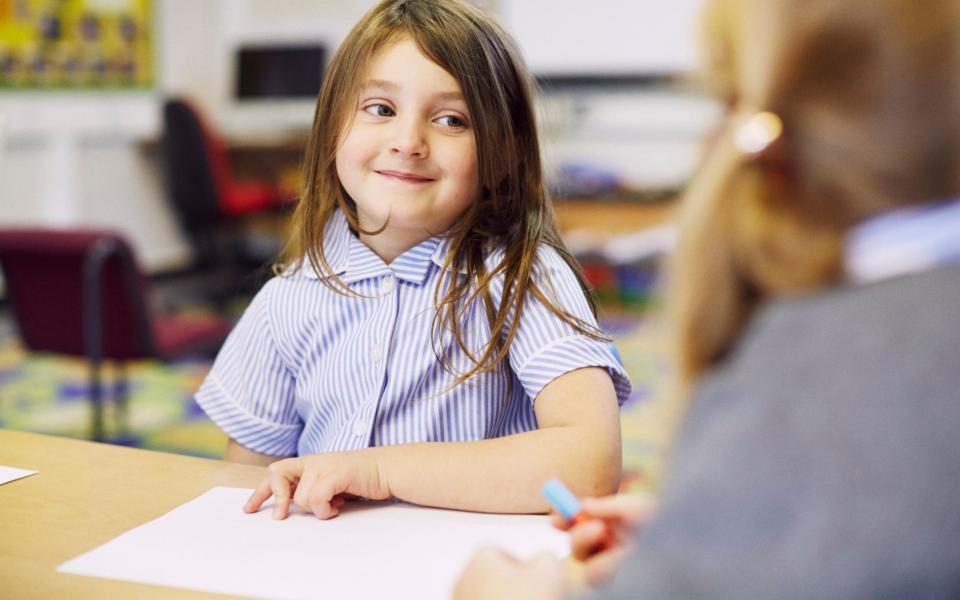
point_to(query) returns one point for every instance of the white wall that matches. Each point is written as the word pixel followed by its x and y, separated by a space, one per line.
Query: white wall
pixel 606 36
pixel 73 160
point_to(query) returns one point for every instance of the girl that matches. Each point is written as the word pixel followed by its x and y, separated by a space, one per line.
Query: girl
pixel 435 342
pixel 815 294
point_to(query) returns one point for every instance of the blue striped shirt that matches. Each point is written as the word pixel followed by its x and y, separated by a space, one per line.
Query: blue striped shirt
pixel 308 369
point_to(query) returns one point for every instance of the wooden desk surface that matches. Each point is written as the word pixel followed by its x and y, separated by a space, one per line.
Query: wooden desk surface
pixel 86 494
pixel 612 216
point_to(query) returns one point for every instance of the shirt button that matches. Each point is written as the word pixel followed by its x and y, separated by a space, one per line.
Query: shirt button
pixel 387 285
pixel 376 353
pixel 359 428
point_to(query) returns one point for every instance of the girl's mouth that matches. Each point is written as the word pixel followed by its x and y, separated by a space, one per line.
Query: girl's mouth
pixel 405 177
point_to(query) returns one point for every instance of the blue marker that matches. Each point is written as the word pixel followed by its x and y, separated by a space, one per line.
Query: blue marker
pixel 569 507
pixel 564 502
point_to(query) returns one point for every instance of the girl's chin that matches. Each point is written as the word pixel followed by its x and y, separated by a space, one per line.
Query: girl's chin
pixel 399 216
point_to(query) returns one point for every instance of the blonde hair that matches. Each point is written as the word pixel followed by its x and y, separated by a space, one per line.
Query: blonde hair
pixel 867 92
pixel 512 212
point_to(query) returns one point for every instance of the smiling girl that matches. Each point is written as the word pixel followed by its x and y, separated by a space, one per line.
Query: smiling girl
pixel 434 342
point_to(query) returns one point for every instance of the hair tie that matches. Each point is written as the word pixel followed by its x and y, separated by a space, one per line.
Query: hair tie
pixel 758 132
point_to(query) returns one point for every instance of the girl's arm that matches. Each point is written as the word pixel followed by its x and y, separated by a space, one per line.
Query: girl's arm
pixel 239 453
pixel 578 441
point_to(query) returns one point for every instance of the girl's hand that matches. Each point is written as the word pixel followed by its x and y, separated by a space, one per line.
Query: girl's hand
pixel 320 483
pixel 602 542
pixel 494 574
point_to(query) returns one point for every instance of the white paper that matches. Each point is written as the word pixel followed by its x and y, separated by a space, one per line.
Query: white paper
pixel 8 474
pixel 372 550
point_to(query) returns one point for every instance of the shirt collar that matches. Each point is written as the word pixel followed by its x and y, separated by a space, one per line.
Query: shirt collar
pixel 351 260
pixel 440 253
pixel 904 241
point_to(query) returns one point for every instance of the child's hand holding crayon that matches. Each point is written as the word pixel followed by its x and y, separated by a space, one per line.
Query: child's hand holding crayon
pixel 600 528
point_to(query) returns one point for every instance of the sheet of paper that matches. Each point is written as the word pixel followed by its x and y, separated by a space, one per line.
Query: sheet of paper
pixel 372 550
pixel 8 474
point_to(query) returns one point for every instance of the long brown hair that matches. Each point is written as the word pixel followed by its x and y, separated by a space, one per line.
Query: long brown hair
pixel 867 92
pixel 512 213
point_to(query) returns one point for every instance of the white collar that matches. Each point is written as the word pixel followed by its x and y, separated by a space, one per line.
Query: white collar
pixel 903 241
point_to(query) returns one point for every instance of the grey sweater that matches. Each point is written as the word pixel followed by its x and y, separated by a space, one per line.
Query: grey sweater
pixel 822 459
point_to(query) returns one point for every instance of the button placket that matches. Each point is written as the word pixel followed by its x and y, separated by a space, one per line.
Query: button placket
pixel 359 427
pixel 377 354
pixel 388 284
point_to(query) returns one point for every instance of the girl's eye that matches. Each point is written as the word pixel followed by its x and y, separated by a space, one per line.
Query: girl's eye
pixel 452 121
pixel 379 110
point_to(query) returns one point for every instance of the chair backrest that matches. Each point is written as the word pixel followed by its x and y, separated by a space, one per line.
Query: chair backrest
pixel 76 292
pixel 197 167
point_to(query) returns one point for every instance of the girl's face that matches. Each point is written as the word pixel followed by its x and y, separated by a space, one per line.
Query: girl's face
pixel 409 151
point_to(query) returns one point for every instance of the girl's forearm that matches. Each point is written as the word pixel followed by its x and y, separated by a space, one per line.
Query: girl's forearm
pixel 502 474
pixel 238 453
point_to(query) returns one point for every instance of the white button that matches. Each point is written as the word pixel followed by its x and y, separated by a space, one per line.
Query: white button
pixel 359 428
pixel 376 353
pixel 387 285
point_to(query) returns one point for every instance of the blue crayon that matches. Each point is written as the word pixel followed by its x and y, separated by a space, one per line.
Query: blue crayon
pixel 569 507
pixel 563 501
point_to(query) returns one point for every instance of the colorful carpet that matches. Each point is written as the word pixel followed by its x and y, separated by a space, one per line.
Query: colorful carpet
pixel 48 394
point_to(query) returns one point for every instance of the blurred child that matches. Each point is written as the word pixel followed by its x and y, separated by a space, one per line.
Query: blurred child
pixel 434 343
pixel 815 293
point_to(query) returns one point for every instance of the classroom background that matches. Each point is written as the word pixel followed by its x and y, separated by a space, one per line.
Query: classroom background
pixel 180 126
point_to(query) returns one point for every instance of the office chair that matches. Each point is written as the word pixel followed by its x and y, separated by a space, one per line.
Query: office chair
pixel 208 201
pixel 81 293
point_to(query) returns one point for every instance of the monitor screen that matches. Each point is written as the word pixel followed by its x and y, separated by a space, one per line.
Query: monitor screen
pixel 279 72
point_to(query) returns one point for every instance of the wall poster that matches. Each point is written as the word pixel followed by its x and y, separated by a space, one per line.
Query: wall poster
pixel 76 44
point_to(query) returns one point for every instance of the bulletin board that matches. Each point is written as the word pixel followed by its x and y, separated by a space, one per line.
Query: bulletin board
pixel 76 44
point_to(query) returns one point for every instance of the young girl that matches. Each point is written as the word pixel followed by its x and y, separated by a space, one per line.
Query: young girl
pixel 815 292
pixel 435 343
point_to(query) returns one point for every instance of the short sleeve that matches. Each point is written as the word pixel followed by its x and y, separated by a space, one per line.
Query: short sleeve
pixel 546 347
pixel 250 391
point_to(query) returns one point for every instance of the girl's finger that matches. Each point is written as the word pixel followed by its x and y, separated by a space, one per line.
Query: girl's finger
pixel 324 490
pixel 301 497
pixel 281 494
pixel 259 496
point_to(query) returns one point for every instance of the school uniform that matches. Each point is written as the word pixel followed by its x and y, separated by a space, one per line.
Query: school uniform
pixel 820 460
pixel 309 369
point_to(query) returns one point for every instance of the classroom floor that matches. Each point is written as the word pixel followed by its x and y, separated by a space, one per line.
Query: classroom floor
pixel 47 394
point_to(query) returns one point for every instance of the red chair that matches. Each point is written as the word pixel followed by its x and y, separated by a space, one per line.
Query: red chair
pixel 207 198
pixel 81 293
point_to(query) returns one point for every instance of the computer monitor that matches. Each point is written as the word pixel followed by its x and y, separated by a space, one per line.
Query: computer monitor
pixel 275 72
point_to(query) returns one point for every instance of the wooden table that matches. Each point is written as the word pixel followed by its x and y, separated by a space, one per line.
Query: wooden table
pixel 84 495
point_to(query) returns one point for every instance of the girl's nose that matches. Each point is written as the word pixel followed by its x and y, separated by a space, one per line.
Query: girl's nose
pixel 409 140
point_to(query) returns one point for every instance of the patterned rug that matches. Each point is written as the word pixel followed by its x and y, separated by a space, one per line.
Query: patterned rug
pixel 48 394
